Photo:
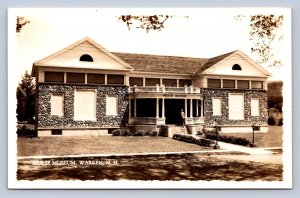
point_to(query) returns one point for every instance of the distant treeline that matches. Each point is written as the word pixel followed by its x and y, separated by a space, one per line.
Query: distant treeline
pixel 275 98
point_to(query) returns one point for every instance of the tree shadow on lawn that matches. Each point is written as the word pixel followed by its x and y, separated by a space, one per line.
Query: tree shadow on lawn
pixel 155 167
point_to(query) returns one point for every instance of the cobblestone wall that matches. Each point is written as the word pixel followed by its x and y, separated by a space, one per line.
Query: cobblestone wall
pixel 45 120
pixel 224 118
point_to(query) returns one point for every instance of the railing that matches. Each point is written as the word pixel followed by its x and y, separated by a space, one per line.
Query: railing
pixel 163 89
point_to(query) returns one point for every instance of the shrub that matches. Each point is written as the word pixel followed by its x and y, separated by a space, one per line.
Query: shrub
pixel 153 133
pixel 228 139
pixel 139 133
pixel 193 140
pixel 116 132
pixel 271 121
pixel 25 132
pixel 280 123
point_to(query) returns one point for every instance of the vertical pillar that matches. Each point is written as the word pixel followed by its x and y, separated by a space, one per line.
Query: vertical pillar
pixel 157 107
pixel 191 108
pixel 163 108
pixel 185 108
pixel 129 108
pixel 197 108
pixel 134 110
pixel 202 105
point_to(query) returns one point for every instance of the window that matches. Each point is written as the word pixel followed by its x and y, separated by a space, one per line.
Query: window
pixel 169 82
pixel 152 81
pixel 57 104
pixel 135 81
pixel 85 105
pixel 112 105
pixel 96 78
pixel 243 84
pixel 54 77
pixel 228 83
pixel 213 83
pixel 115 79
pixel 86 58
pixel 184 82
pixel 236 106
pixel 257 84
pixel 56 132
pixel 236 67
pixel 75 78
pixel 217 106
pixel 254 107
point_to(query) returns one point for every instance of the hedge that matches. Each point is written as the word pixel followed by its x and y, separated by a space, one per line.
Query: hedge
pixel 228 139
pixel 193 140
pixel 127 132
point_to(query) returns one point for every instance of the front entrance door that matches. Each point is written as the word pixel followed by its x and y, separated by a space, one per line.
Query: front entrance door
pixel 172 111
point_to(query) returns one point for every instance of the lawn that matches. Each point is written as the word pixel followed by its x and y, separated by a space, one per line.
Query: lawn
pixel 273 138
pixel 60 146
pixel 150 167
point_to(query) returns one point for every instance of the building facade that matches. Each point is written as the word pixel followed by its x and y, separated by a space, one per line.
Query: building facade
pixel 86 90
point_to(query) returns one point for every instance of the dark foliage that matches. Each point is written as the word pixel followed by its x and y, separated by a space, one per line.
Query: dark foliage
pixel 193 140
pixel 228 139
pixel 271 121
pixel 25 132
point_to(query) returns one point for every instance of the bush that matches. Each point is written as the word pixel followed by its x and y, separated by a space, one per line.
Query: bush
pixel 139 133
pixel 271 121
pixel 228 139
pixel 116 132
pixel 25 132
pixel 193 140
pixel 280 123
pixel 153 133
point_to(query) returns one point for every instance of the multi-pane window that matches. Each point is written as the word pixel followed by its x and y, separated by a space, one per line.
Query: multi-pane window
pixel 228 83
pixel 75 78
pixel 135 81
pixel 243 84
pixel 115 79
pixel 96 78
pixel 54 77
pixel 257 84
pixel 152 81
pixel 185 82
pixel 213 83
pixel 169 82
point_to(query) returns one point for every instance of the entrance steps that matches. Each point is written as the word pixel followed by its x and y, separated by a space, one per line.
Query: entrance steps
pixel 170 130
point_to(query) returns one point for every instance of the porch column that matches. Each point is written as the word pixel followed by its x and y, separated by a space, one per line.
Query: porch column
pixel 129 108
pixel 134 110
pixel 157 107
pixel 191 108
pixel 163 108
pixel 197 108
pixel 185 108
pixel 202 105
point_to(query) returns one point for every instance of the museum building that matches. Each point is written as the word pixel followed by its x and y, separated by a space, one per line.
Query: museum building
pixel 84 89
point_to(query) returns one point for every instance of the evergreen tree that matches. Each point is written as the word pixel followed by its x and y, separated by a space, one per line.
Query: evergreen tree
pixel 26 98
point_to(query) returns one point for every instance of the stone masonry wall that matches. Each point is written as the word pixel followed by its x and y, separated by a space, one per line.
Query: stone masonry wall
pixel 224 118
pixel 45 120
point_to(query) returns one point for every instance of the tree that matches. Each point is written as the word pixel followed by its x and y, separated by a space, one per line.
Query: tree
pixel 26 98
pixel 152 22
pixel 21 21
pixel 275 98
pixel 264 29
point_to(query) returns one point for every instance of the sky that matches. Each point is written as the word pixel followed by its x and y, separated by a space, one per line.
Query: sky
pixel 201 32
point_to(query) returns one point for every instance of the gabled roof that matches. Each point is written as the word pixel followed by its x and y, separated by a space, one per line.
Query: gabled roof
pixel 212 61
pixel 162 64
pixel 93 47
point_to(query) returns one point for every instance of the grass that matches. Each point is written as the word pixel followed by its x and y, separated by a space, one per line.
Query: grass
pixel 152 167
pixel 63 145
pixel 273 138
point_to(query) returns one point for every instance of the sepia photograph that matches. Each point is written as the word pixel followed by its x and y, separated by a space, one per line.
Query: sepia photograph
pixel 188 98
